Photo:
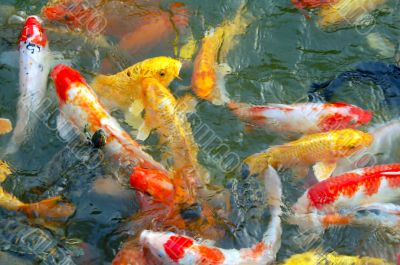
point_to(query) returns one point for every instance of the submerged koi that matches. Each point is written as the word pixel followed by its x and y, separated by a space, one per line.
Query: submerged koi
pixel 5 126
pixel 80 106
pixel 139 25
pixel 33 74
pixel 208 73
pixel 317 257
pixel 171 248
pixel 48 208
pixel 321 150
pixel 121 89
pixel 359 187
pixel 303 118
pixel 312 3
pixel 346 11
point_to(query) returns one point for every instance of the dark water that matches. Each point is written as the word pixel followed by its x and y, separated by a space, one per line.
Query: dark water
pixel 278 57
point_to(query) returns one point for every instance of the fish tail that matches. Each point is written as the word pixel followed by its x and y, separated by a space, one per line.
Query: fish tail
pixel 48 208
pixel 272 237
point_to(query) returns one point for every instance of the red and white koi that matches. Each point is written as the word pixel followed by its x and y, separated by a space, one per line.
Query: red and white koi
pixel 171 248
pixel 303 118
pixel 326 202
pixel 33 75
pixel 80 106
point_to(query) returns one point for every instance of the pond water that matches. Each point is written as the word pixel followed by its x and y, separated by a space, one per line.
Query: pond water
pixel 281 53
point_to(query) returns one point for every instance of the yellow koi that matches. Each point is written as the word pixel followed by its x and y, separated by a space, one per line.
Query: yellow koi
pixel 118 91
pixel 321 150
pixel 333 258
pixel 168 116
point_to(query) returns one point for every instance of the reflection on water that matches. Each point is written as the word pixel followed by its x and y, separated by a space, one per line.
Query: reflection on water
pixel 281 52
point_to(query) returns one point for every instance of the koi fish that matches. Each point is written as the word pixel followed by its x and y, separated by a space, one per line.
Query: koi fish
pixel 208 73
pixel 33 74
pixel 321 150
pixel 123 88
pixel 139 25
pixel 303 118
pixel 171 248
pixel 168 116
pixel 332 258
pixel 377 184
pixel 382 150
pixel 5 126
pixel 312 3
pixel 48 208
pixel 80 107
pixel 346 11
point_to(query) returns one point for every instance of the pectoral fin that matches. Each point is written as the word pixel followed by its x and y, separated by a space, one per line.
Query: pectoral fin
pixel 300 171
pixel 186 104
pixel 65 129
pixel 323 170
pixel 144 131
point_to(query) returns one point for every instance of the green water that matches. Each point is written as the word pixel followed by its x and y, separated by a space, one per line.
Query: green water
pixel 275 61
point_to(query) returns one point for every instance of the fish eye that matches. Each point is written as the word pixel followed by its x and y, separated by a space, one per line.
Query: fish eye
pixel 162 73
pixel 128 74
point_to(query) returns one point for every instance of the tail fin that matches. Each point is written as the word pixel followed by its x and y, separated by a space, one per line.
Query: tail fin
pixel 48 208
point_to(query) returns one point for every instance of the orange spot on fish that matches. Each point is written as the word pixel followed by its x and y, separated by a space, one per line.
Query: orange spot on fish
pixel 210 255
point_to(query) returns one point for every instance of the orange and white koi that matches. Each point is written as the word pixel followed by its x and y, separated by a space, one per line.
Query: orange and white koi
pixel 33 75
pixel 377 184
pixel 336 200
pixel 209 65
pixel 171 248
pixel 321 150
pixel 48 208
pixel 80 107
pixel 303 118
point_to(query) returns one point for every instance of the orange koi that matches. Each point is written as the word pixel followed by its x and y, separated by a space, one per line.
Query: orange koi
pixel 208 75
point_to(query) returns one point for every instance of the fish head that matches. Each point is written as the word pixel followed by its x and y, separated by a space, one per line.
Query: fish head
pixel 167 247
pixel 359 116
pixel 342 115
pixel 64 78
pixel 348 141
pixel 164 69
pixel 33 33
pixel 153 182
